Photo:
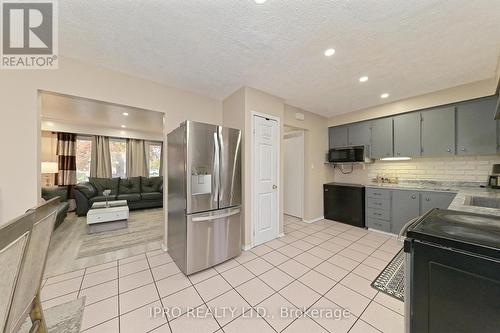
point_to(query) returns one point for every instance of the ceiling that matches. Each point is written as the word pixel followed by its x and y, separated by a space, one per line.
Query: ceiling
pixel 87 113
pixel 406 48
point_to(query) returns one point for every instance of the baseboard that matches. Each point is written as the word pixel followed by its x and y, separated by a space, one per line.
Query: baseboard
pixel 281 235
pixel 246 247
pixel 383 232
pixel 314 220
pixel 164 247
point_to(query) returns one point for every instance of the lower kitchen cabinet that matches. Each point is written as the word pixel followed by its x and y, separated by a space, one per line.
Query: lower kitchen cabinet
pixel 405 206
pixel 430 200
pixel 389 210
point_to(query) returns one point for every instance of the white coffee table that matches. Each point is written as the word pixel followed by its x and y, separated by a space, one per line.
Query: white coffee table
pixel 105 218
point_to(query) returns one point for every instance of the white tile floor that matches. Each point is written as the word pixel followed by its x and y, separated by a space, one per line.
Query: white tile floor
pixel 325 265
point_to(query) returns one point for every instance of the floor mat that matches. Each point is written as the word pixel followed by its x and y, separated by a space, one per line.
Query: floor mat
pixel 391 280
pixel 63 318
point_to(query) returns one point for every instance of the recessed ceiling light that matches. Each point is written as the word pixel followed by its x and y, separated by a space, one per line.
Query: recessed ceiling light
pixel 385 95
pixel 123 126
pixel 363 79
pixel 125 114
pixel 329 52
pixel 260 2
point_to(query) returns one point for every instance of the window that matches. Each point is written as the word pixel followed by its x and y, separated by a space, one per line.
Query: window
pixel 83 153
pixel 153 151
pixel 118 149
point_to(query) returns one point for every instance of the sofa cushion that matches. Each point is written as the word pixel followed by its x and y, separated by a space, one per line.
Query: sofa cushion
pixel 102 184
pixel 87 189
pixel 152 196
pixel 55 191
pixel 129 197
pixel 101 198
pixel 130 185
pixel 151 184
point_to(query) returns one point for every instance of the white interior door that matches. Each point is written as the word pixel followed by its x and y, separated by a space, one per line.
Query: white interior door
pixel 293 185
pixel 265 179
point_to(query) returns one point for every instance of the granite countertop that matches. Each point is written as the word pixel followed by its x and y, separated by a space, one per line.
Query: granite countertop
pixel 463 191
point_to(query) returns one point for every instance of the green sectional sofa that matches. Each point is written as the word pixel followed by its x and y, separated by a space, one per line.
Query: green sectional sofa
pixel 61 192
pixel 140 192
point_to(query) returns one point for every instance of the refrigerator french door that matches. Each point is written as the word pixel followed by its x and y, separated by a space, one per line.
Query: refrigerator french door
pixel 204 195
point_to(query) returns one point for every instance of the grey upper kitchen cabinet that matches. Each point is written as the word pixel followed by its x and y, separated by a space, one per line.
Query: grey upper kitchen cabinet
pixel 430 200
pixel 337 136
pixel 381 138
pixel 405 206
pixel 407 135
pixel 438 132
pixel 359 134
pixel 476 127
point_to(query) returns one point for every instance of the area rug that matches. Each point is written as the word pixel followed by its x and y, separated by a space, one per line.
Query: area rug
pixel 63 318
pixel 391 280
pixel 144 226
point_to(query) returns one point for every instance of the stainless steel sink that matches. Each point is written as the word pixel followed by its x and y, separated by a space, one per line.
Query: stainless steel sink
pixel 486 202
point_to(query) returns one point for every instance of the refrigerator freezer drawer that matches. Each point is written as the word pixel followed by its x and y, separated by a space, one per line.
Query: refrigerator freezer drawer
pixel 212 238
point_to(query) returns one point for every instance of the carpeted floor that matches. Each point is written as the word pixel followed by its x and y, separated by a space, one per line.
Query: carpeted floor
pixel 144 226
pixel 72 248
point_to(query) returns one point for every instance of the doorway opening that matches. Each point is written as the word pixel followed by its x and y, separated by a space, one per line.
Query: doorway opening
pixel 97 157
pixel 293 185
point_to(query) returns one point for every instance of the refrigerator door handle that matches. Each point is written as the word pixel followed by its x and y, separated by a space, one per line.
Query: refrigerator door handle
pixel 216 173
pixel 215 217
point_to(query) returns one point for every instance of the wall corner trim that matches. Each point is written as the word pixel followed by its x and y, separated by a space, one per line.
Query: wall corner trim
pixel 246 247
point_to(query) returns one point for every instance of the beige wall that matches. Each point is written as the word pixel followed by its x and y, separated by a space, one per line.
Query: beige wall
pixel 20 122
pixel 48 147
pixel 451 95
pixel 316 172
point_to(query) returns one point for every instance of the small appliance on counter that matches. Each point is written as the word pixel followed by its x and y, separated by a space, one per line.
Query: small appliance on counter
pixel 344 203
pixel 494 179
pixel 452 273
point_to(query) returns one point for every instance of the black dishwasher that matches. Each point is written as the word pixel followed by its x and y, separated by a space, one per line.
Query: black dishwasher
pixel 344 203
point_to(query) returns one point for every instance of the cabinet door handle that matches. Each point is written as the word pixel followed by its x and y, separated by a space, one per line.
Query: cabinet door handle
pixel 427 199
pixel 462 149
pixel 413 197
pixel 448 150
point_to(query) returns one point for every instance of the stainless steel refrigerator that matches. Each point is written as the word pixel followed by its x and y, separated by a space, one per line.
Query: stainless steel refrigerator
pixel 204 195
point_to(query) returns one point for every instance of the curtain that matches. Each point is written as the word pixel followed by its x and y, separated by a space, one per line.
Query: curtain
pixel 66 159
pixel 100 161
pixel 136 158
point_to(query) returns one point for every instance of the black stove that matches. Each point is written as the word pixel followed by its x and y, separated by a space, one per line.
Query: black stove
pixel 452 273
pixel 461 230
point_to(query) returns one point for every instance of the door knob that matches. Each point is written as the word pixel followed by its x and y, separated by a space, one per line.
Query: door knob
pixel 275 187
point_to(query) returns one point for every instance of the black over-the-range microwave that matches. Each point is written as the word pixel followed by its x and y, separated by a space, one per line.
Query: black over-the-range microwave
pixel 347 154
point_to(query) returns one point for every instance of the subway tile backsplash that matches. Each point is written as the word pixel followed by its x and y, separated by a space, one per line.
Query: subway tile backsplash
pixel 458 168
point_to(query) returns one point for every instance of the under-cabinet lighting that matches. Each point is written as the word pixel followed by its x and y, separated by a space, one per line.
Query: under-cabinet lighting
pixel 395 159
